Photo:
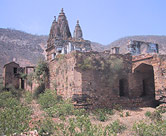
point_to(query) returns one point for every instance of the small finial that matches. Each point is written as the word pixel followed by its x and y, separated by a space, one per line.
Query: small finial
pixel 54 18
pixel 77 21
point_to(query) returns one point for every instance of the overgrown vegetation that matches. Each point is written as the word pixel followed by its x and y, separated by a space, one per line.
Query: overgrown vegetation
pixel 54 105
pixel 153 129
pixel 14 116
pixel 157 126
pixel 41 76
pixel 82 126
pixel 75 122
pixel 154 116
pixel 41 72
pixel 102 114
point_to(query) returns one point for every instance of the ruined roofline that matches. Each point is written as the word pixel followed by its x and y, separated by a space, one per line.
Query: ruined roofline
pixel 143 42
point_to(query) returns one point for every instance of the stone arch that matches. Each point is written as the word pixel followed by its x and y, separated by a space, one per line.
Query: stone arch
pixel 144 74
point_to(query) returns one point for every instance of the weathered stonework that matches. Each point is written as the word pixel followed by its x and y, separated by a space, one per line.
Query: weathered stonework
pixel 158 64
pixel 96 79
pixel 60 40
pixel 12 76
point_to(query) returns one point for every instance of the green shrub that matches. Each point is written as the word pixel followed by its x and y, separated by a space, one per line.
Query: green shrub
pixel 8 100
pixel 102 114
pixel 127 114
pixel 54 105
pixel 109 111
pixel 121 114
pixel 14 117
pixel 14 120
pixel 154 116
pixel 102 117
pixel 153 129
pixel 114 128
pixel 62 109
pixel 80 112
pixel 48 99
pixel 46 127
pixel 86 64
pixel 148 114
pixel 15 92
pixel 82 126
pixel 28 97
pixel 41 71
pixel 79 126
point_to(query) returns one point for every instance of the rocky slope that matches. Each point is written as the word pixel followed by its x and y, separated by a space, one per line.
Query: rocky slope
pixel 25 48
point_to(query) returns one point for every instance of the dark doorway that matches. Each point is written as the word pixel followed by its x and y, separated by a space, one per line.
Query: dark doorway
pixel 144 88
pixel 146 80
pixel 123 87
pixel 22 83
pixel 15 70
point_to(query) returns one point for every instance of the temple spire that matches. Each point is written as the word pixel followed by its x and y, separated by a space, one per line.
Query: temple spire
pixel 77 32
pixel 63 25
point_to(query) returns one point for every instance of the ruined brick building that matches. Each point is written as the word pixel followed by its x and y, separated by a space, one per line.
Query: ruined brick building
pixel 14 75
pixel 102 79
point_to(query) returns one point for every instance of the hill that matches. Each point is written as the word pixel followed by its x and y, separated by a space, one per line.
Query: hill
pixel 122 42
pixel 25 48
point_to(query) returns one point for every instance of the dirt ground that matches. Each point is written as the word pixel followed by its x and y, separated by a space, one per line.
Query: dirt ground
pixel 135 115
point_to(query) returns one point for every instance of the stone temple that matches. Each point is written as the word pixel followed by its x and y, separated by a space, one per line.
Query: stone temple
pixel 61 41
pixel 98 79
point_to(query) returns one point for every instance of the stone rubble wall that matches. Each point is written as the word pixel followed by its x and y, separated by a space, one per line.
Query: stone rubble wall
pixel 90 80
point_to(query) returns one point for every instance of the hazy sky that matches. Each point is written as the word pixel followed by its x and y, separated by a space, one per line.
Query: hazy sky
pixel 102 21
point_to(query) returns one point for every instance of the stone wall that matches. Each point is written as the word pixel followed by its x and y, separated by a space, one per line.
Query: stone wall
pixel 63 76
pixel 10 74
pixel 159 67
pixel 96 79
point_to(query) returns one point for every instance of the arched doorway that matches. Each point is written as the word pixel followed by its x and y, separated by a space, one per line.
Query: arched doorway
pixel 145 75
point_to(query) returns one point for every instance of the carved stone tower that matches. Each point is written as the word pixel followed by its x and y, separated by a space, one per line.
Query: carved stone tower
pixel 77 32
pixel 63 25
